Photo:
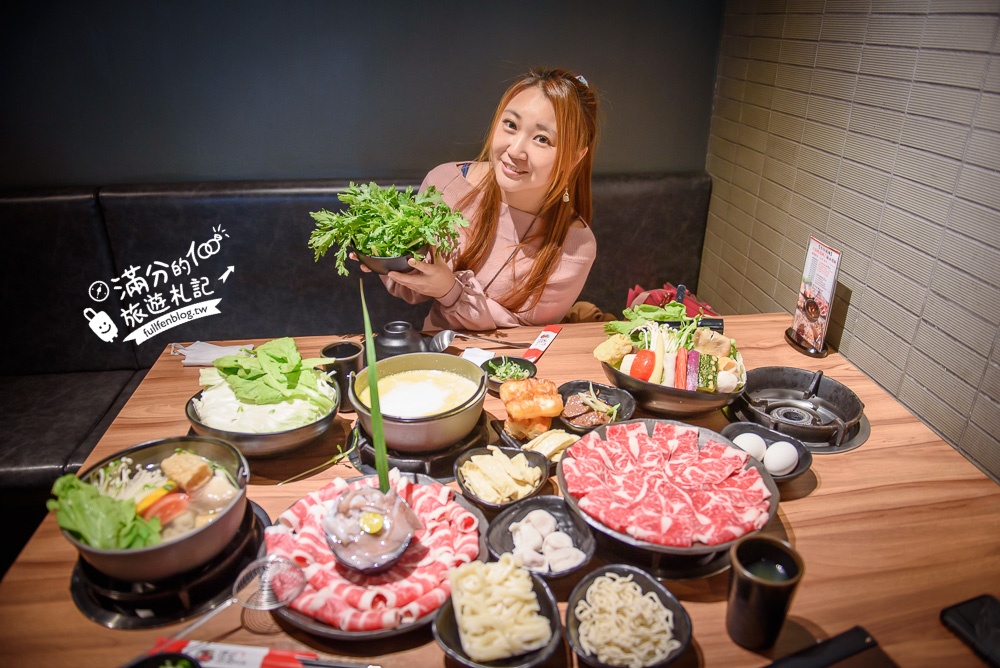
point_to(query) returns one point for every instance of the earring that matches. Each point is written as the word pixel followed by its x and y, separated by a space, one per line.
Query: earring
pixel 566 195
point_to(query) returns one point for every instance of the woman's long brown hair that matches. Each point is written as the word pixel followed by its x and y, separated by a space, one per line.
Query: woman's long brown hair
pixel 575 106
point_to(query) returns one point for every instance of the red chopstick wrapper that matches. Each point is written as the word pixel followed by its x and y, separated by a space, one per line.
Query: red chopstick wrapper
pixel 221 655
pixel 542 341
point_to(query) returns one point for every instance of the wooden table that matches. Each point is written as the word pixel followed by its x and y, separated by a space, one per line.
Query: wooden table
pixel 890 532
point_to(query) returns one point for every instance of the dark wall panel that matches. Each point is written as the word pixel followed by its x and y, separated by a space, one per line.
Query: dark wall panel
pixel 183 90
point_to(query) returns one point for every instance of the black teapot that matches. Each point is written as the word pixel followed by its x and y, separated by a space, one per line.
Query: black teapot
pixel 398 338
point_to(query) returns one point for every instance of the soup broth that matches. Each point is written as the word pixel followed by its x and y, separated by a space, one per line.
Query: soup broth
pixel 421 393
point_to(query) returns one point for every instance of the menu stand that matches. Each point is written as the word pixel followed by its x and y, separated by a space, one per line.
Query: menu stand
pixel 815 300
pixel 803 347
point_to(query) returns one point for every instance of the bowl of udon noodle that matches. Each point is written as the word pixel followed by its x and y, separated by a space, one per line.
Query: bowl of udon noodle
pixel 428 400
pixel 657 631
pixel 166 507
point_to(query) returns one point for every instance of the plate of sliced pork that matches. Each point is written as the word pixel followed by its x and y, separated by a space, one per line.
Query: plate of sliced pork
pixel 341 603
pixel 666 486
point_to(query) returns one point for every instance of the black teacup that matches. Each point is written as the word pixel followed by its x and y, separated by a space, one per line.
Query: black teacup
pixel 762 581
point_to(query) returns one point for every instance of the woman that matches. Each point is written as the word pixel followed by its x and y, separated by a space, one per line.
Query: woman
pixel 528 249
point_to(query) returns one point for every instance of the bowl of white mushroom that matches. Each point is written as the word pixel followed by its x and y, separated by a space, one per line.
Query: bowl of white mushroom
pixel 544 536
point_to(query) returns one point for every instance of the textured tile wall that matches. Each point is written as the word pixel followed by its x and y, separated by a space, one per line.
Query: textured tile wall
pixel 873 125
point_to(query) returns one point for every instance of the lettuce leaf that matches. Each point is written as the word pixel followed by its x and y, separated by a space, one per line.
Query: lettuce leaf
pixel 673 313
pixel 272 373
pixel 100 521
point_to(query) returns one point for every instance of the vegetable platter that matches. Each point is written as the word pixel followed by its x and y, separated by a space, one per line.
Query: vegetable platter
pixel 385 223
pixel 266 401
pixel 670 364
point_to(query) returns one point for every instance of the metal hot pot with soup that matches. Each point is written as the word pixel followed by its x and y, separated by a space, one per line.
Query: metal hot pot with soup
pixel 428 400
pixel 198 502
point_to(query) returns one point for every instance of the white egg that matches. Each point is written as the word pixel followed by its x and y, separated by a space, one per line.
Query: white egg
pixel 752 444
pixel 781 458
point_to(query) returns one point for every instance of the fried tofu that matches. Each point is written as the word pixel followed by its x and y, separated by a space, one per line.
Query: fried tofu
pixel 531 398
pixel 711 342
pixel 187 470
pixel 531 404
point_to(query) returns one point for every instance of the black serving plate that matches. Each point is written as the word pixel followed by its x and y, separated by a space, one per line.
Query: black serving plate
pixel 536 459
pixel 500 541
pixel 704 435
pixel 606 393
pixel 770 437
pixel 318 628
pixel 445 630
pixel 492 384
pixel 682 621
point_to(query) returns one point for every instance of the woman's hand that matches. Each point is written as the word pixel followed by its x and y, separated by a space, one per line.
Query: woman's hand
pixel 354 256
pixel 432 277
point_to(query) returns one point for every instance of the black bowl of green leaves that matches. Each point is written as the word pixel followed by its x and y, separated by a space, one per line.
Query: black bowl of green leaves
pixel 385 227
pixel 164 660
pixel 383 265
pixel 501 369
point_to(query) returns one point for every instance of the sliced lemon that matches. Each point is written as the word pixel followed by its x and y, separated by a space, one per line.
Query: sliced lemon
pixel 371 522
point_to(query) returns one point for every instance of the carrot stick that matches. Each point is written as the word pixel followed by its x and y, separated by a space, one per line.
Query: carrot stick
pixel 681 369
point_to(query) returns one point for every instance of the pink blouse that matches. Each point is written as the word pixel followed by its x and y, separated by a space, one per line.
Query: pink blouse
pixel 471 303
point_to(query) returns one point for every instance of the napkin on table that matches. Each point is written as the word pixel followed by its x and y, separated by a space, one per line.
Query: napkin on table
pixel 477 355
pixel 200 353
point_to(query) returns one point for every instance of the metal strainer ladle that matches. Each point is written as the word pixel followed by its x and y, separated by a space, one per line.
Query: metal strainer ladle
pixel 268 583
pixel 443 339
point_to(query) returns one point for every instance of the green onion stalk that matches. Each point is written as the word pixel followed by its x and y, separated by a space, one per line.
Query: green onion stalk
pixel 378 433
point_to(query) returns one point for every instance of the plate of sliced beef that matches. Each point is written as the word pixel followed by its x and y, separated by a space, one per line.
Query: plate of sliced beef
pixel 666 486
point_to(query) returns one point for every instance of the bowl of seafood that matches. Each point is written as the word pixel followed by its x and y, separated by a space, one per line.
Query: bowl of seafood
pixel 544 534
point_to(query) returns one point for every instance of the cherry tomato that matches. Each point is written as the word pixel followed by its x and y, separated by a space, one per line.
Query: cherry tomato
pixel 168 508
pixel 642 365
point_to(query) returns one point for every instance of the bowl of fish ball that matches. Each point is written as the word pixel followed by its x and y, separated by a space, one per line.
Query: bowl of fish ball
pixel 495 477
pixel 658 629
pixel 544 535
pixel 503 368
pixel 784 457
pixel 587 405
pixel 166 507
pixel 498 615
pixel 428 400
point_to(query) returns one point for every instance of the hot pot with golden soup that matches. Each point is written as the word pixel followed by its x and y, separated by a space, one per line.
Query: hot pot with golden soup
pixel 428 400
